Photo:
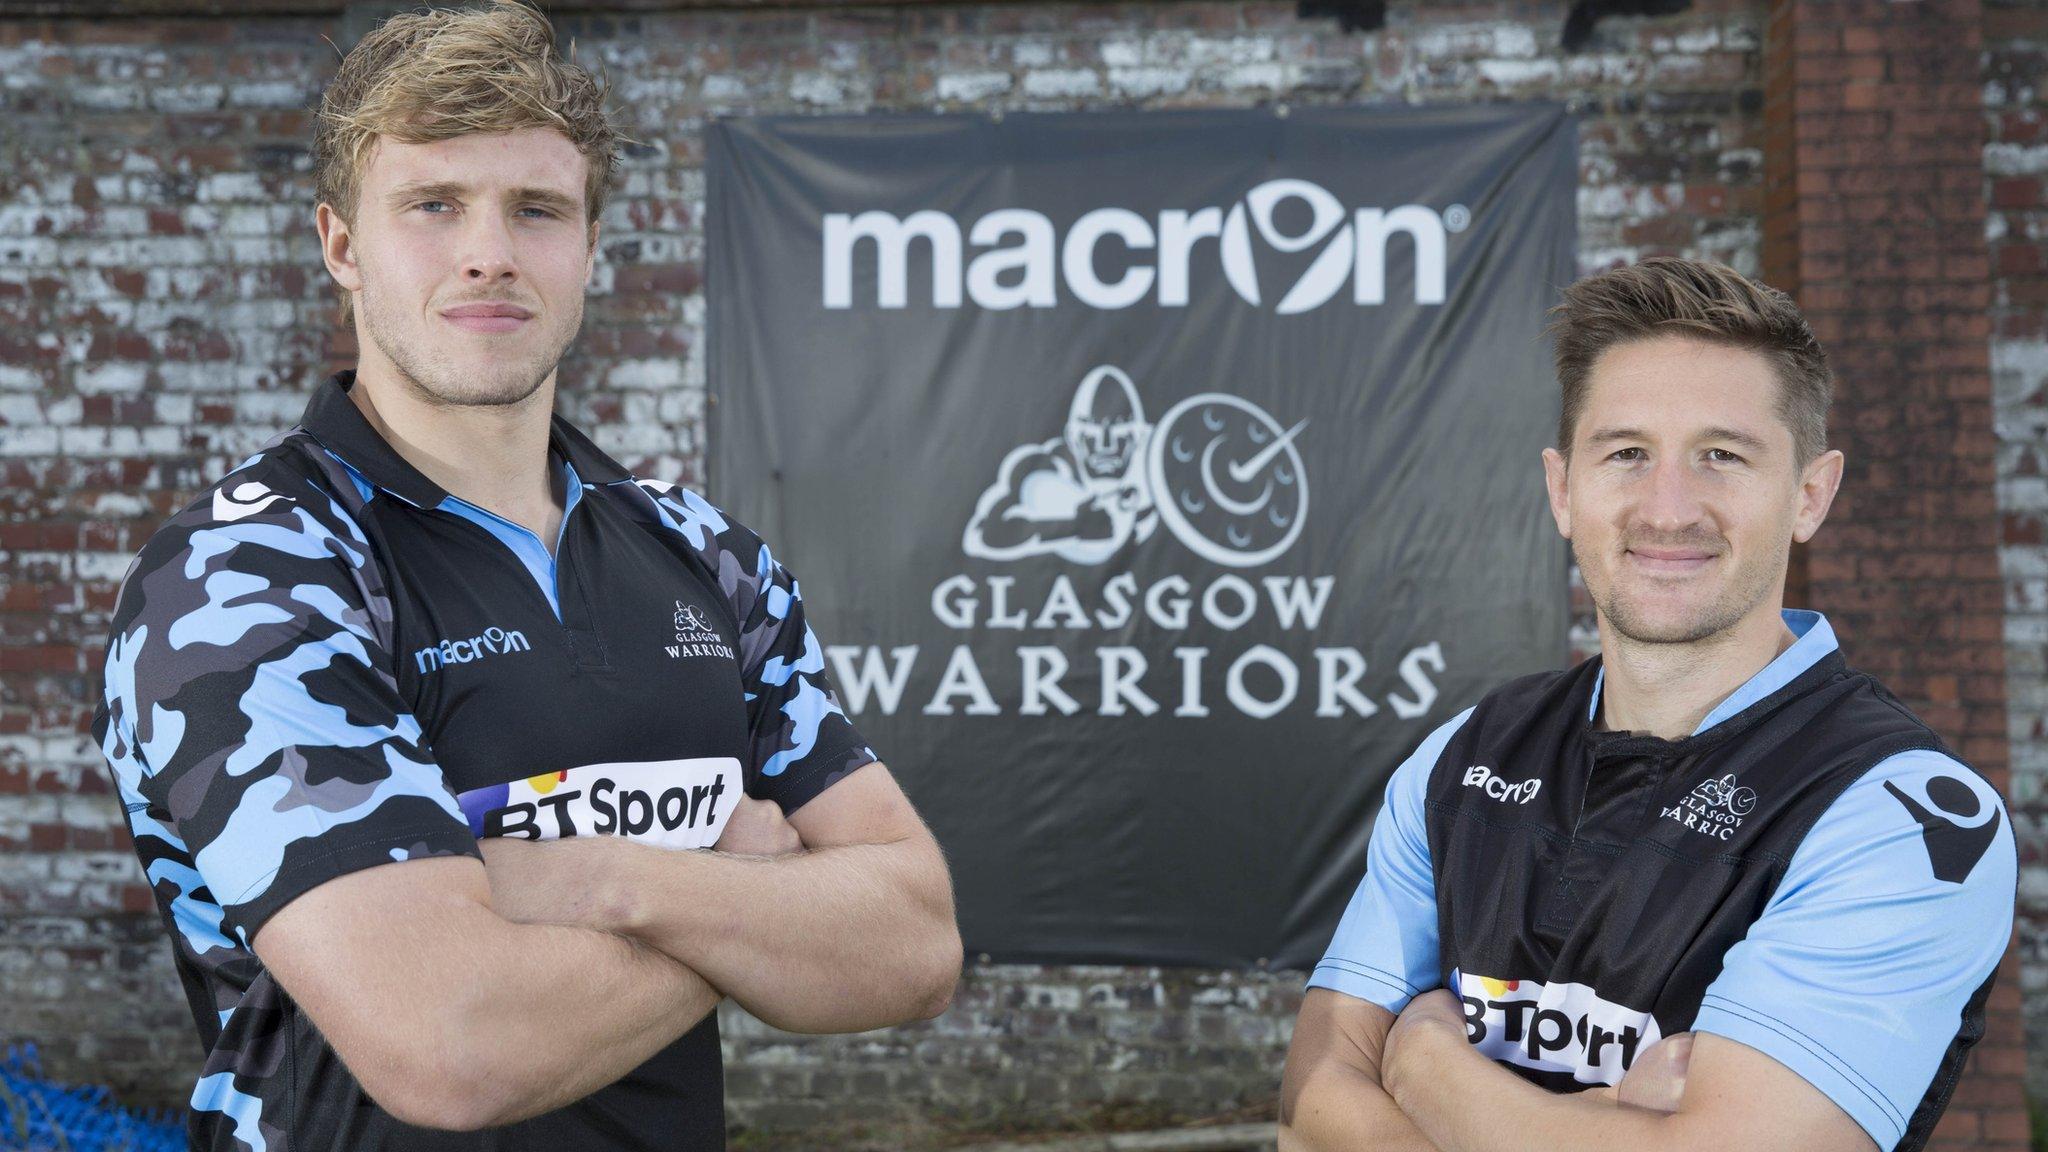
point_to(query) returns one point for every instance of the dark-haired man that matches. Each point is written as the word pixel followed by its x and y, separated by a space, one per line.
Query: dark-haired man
pixel 1716 875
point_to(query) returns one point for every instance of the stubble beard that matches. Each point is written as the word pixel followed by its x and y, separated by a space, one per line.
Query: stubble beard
pixel 1750 585
pixel 439 379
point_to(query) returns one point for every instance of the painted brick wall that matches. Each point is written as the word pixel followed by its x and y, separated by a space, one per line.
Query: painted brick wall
pixel 2016 225
pixel 163 311
pixel 1875 219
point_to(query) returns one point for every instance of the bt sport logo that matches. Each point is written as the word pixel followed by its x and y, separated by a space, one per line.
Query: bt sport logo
pixel 1556 1027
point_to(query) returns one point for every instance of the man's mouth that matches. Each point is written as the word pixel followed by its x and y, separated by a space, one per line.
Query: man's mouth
pixel 1670 561
pixel 487 317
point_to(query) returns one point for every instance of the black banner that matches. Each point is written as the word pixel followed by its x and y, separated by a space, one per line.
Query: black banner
pixel 1156 480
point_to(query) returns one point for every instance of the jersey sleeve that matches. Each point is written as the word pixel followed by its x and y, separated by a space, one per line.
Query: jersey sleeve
pixel 1891 917
pixel 250 713
pixel 1386 947
pixel 800 741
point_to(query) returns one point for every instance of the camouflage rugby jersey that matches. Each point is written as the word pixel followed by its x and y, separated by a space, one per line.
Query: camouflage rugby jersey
pixel 327 663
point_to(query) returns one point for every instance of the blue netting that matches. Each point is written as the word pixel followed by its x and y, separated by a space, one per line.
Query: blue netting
pixel 38 1116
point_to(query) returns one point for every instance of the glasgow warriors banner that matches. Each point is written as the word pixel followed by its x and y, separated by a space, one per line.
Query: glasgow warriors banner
pixel 1156 481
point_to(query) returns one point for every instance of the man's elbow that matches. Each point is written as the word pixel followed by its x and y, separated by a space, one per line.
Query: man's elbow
pixel 440 1110
pixel 441 1098
pixel 934 973
pixel 1289 1104
pixel 941 957
pixel 433 1077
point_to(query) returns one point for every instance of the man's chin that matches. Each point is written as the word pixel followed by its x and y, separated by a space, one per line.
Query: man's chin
pixel 1666 623
pixel 1675 634
pixel 448 375
pixel 501 388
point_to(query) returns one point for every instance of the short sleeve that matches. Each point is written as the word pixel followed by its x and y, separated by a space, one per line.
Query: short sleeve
pixel 1891 917
pixel 800 741
pixel 1386 947
pixel 250 711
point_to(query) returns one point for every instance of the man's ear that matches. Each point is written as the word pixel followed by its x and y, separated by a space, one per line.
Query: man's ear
pixel 1817 487
pixel 590 257
pixel 337 248
pixel 1557 483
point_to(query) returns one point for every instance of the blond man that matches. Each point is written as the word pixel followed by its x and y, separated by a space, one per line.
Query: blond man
pixel 419 714
pixel 1713 889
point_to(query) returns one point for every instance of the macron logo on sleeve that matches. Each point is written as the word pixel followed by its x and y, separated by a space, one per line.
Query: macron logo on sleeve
pixel 248 498
pixel 1957 824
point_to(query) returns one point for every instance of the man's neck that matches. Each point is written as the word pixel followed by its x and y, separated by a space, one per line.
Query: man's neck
pixel 494 457
pixel 1667 689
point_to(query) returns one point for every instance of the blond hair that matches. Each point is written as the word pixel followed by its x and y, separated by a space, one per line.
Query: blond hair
pixel 1665 295
pixel 439 73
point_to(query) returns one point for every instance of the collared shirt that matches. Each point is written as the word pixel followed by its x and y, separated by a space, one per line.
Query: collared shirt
pixel 328 663
pixel 1857 972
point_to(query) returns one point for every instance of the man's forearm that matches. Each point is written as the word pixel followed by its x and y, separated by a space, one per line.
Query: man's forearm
pixel 1331 1099
pixel 1460 1101
pixel 838 939
pixel 576 1011
pixel 1341 1109
pixel 452 1016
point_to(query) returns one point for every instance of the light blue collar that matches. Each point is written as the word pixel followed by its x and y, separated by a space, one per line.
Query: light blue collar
pixel 539 559
pixel 1816 639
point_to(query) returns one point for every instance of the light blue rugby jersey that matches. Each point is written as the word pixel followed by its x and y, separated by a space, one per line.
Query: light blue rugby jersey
pixel 1855 976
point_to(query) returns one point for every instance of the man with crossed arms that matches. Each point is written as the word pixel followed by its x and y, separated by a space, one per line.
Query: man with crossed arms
pixel 1716 876
pixel 414 711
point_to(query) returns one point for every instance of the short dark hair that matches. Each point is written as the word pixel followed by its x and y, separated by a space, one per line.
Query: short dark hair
pixel 1668 296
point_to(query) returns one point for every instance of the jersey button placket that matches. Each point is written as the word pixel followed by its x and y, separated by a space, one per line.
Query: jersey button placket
pixel 1625 783
pixel 578 612
pixel 1561 910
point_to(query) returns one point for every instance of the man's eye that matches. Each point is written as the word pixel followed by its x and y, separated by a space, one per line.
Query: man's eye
pixel 544 213
pixel 427 205
pixel 1723 456
pixel 1628 455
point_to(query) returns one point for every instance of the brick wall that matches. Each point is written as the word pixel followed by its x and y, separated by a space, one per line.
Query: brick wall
pixel 2015 164
pixel 163 310
pixel 1875 219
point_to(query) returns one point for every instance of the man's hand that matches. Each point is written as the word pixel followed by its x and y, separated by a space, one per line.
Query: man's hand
pixel 757 828
pixel 555 881
pixel 577 880
pixel 1683 1096
pixel 1656 1080
pixel 854 931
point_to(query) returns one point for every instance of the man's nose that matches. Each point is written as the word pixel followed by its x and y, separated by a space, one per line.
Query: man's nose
pixel 487 249
pixel 1671 496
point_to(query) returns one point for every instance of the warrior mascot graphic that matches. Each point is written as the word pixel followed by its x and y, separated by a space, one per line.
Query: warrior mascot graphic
pixel 1082 496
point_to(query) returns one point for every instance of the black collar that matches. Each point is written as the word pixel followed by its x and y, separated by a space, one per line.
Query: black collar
pixel 335 421
pixel 1608 743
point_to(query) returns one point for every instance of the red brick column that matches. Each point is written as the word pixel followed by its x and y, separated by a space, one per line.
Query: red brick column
pixel 1874 220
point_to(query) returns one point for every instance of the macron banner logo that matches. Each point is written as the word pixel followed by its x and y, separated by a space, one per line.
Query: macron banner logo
pixel 1026 261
